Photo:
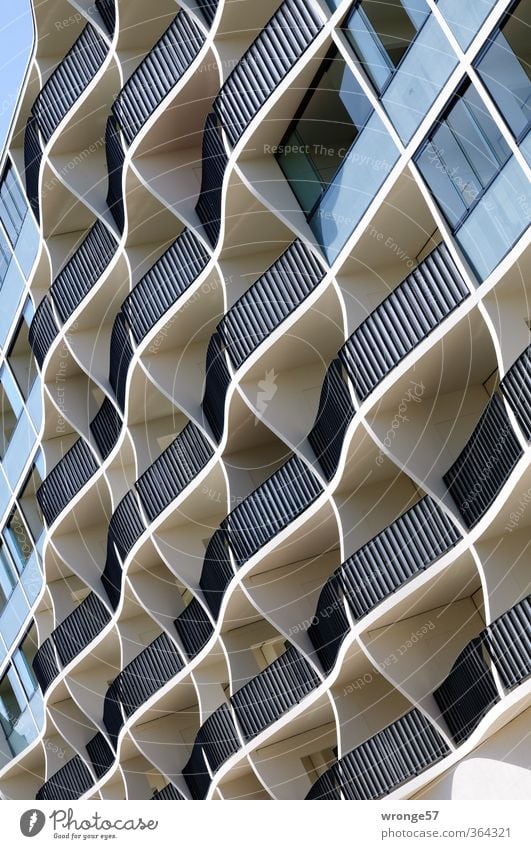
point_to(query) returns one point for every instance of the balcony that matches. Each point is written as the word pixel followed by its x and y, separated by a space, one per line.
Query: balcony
pixel 32 164
pixel 271 508
pixel 468 692
pixel 330 625
pixel 165 282
pixel 281 43
pixel 45 664
pixel 410 313
pixel 43 330
pixel 100 754
pixel 105 427
pixel 217 570
pixel 384 762
pixel 282 685
pixel 218 737
pixel 69 782
pixel 516 386
pixel 169 792
pixel 78 630
pixel 216 384
pixel 174 470
pixel 269 301
pixel 196 773
pixel 150 670
pixel 416 540
pixel 83 270
pixel 507 642
pixel 66 479
pixel 112 713
pixel 484 465
pixel 125 527
pixel 120 359
pixel 107 10
pixel 115 155
pixel 208 206
pixel 334 415
pixel 194 628
pixel 157 74
pixel 69 80
pixel 209 9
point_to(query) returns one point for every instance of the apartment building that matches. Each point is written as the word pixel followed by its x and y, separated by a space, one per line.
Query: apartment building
pixel 264 363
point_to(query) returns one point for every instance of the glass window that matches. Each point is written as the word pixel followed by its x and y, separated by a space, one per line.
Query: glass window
pixel 463 155
pixel 327 124
pixel 505 69
pixel 8 420
pixel 12 700
pixel 22 660
pixel 29 505
pixel 12 205
pixel 381 33
pixel 16 720
pixel 7 576
pixel 464 17
pixel 21 359
pixel 18 539
pixel 5 256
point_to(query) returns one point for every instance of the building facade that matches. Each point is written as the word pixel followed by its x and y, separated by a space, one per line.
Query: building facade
pixel 265 329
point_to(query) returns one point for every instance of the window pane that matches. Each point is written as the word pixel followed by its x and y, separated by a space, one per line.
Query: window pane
pixel 505 69
pixel 323 132
pixel 22 660
pixel 18 539
pixel 5 256
pixel 448 174
pixel 464 154
pixel 7 577
pixel 8 421
pixel 471 143
pixel 29 504
pixel 22 361
pixel 465 17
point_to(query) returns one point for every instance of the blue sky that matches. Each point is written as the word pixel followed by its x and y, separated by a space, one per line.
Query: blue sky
pixel 16 34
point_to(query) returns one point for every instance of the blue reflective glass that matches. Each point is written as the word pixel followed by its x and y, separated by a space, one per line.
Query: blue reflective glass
pixel 327 124
pixel 12 205
pixel 24 731
pixel 5 256
pixel 365 168
pixel 14 615
pixel 31 578
pixel 498 220
pixel 27 245
pixel 419 79
pixel 5 491
pixel 19 449
pixel 504 69
pixel 18 540
pixel 11 389
pixel 10 294
pixel 7 576
pixel 525 147
pixel 462 157
pixel 37 708
pixel 382 33
pixel 464 17
pixel 25 672
pixel 34 405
